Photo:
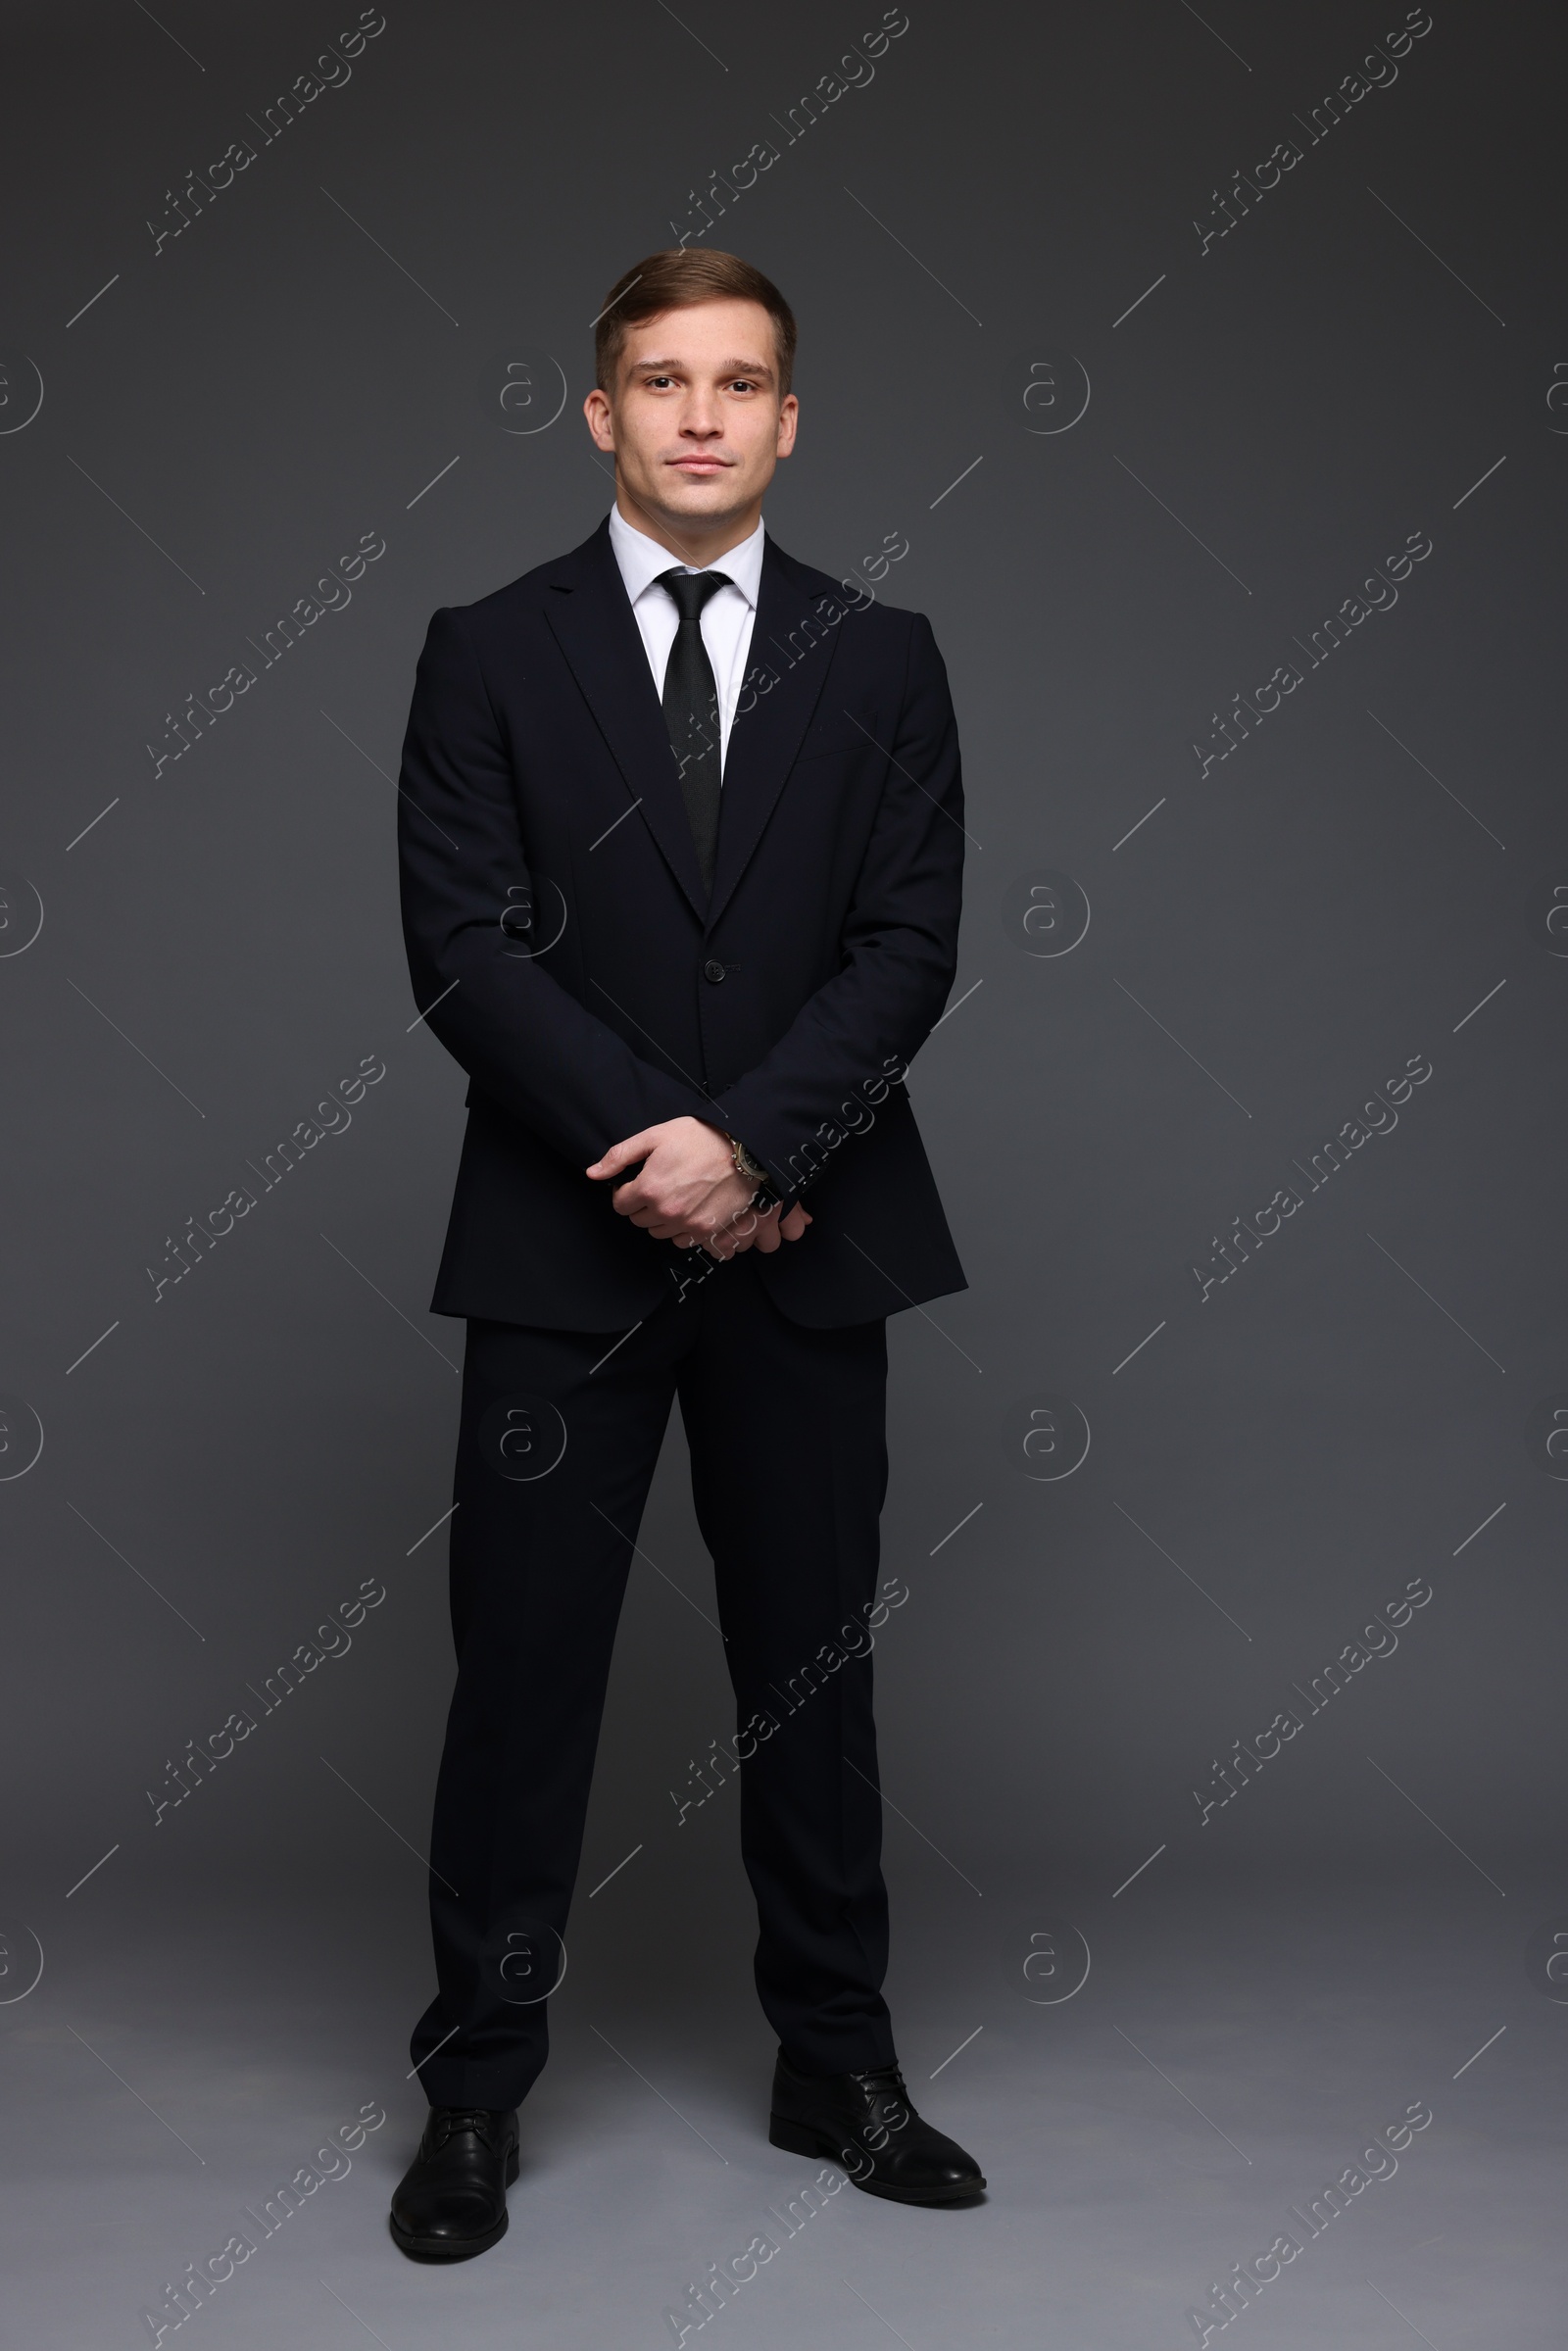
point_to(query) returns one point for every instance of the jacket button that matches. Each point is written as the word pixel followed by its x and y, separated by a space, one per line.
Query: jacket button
pixel 714 972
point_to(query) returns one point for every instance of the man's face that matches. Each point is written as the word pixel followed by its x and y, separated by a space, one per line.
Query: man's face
pixel 695 420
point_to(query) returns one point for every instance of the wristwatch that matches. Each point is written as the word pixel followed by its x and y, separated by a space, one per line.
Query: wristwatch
pixel 745 1165
pixel 764 1197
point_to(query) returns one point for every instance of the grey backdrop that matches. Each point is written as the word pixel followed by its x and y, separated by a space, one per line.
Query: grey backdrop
pixel 1130 423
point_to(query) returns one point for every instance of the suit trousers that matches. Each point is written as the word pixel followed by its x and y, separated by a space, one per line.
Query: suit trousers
pixel 559 1437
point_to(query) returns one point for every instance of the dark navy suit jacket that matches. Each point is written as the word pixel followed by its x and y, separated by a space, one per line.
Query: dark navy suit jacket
pixel 563 952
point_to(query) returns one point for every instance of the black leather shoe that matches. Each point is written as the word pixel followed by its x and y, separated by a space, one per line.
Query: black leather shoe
pixel 866 2122
pixel 451 2202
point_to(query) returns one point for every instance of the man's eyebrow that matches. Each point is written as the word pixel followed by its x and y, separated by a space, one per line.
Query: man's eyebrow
pixel 725 367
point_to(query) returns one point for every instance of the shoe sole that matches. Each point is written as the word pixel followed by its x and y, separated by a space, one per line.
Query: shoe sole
pixel 446 2248
pixel 798 2138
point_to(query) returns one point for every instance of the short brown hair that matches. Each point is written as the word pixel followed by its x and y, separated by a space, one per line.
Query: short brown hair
pixel 675 279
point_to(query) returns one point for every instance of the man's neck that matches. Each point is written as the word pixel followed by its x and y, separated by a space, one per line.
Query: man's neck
pixel 689 539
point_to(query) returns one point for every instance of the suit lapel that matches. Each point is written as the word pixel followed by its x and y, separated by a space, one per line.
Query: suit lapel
pixel 792 648
pixel 593 624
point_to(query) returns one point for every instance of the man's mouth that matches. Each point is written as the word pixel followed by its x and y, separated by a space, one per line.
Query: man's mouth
pixel 700 464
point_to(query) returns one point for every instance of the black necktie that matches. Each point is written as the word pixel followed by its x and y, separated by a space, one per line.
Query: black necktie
pixel 691 710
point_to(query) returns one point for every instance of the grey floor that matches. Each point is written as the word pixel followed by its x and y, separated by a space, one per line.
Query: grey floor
pixel 1231 2050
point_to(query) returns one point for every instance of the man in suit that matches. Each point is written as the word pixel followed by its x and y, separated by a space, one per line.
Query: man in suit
pixel 681 852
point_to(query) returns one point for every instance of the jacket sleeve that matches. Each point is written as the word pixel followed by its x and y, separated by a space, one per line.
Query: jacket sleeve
pixel 526 1041
pixel 863 1027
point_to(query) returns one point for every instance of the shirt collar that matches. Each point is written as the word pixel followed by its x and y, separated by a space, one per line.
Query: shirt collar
pixel 642 560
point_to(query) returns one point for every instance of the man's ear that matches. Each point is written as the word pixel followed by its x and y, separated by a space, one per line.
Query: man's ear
pixel 601 418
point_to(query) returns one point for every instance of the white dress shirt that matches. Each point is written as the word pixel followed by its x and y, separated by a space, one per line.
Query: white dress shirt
pixel 726 618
